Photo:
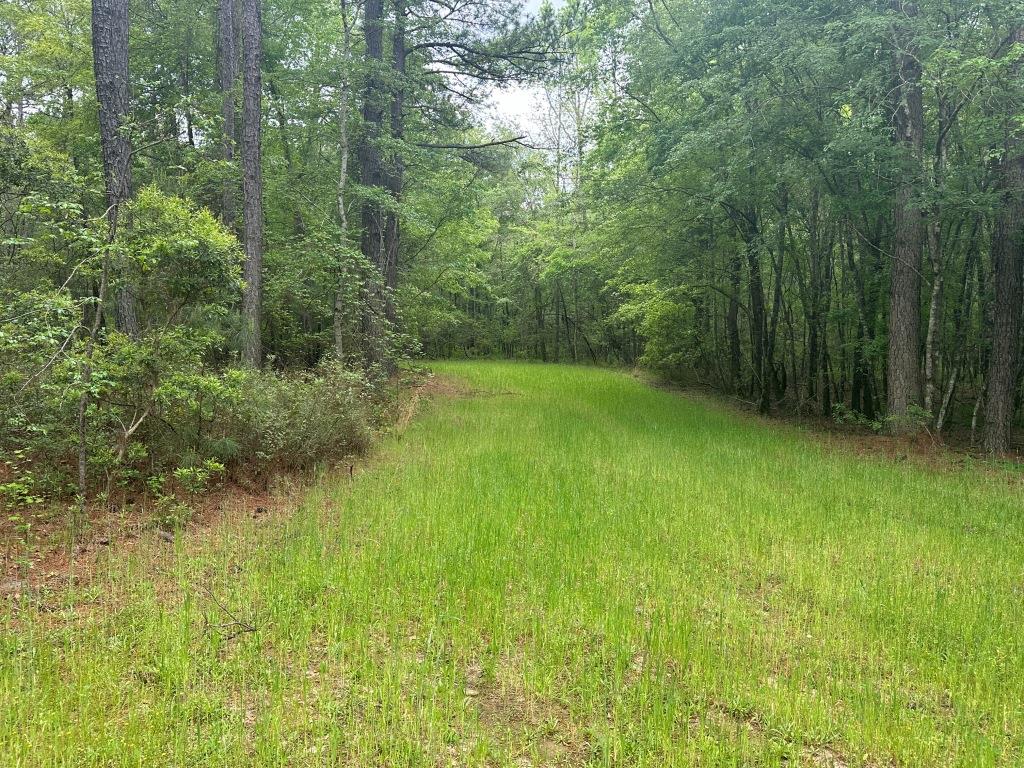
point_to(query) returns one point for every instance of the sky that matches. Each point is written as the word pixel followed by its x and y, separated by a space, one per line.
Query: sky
pixel 516 106
pixel 519 106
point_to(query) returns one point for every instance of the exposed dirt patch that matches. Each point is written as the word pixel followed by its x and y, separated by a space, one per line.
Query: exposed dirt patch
pixel 438 385
pixel 533 730
pixel 50 558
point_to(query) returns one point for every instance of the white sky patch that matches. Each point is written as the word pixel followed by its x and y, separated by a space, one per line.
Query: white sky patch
pixel 515 107
pixel 519 107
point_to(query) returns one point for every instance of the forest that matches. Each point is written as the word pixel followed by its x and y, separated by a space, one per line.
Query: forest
pixel 511 383
pixel 221 220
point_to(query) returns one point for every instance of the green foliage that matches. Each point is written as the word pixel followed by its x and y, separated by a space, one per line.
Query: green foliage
pixel 666 326
pixel 187 264
pixel 162 404
pixel 842 414
pixel 296 420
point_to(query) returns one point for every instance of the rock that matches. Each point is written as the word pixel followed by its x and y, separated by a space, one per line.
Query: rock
pixel 472 692
pixel 165 535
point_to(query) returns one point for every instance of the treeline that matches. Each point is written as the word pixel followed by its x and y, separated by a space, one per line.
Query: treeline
pixel 817 206
pixel 204 210
pixel 215 213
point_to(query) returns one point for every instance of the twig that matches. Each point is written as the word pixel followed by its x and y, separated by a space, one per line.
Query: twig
pixel 240 626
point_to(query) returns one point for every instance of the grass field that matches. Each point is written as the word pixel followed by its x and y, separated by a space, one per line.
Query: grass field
pixel 556 566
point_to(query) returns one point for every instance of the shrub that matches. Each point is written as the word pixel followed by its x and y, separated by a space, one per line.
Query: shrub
pixel 298 419
pixel 164 414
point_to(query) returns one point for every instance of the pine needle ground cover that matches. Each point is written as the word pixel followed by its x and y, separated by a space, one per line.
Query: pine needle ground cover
pixel 553 566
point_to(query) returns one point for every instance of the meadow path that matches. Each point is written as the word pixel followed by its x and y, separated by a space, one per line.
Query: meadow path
pixel 557 566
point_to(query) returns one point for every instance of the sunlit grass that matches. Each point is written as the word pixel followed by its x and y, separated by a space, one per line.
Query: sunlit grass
pixel 559 567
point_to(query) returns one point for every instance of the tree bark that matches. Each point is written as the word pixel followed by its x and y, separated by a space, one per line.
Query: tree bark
pixel 396 172
pixel 935 256
pixel 227 75
pixel 1007 267
pixel 252 182
pixel 732 323
pixel 110 63
pixel 341 289
pixel 904 390
pixel 371 175
pixel 758 316
pixel 1008 278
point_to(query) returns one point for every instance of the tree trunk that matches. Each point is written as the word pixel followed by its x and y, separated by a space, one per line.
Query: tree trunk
pixel 396 173
pixel 1007 268
pixel 341 289
pixel 961 319
pixel 110 63
pixel 931 354
pixel 935 256
pixel 556 299
pixel 371 175
pixel 538 305
pixel 252 182
pixel 905 285
pixel 812 303
pixel 732 321
pixel 758 318
pixel 862 399
pixel 824 310
pixel 778 269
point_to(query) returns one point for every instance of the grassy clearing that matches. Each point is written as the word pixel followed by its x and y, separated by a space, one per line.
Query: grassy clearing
pixel 560 567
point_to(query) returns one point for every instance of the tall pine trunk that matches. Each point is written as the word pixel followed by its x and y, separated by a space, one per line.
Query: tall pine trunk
pixel 904 390
pixel 396 172
pixel 252 182
pixel 1007 266
pixel 1008 278
pixel 344 98
pixel 110 63
pixel 227 74
pixel 371 175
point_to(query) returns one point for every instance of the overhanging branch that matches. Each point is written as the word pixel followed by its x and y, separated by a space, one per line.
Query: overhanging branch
pixel 496 143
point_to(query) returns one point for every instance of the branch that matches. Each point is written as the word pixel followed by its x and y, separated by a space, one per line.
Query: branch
pixel 497 143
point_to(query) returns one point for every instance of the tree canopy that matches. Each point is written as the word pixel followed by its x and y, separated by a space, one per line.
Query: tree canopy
pixel 816 207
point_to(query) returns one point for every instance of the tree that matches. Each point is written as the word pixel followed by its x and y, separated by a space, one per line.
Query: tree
pixel 904 385
pixel 252 182
pixel 1008 277
pixel 110 63
pixel 372 177
pixel 227 75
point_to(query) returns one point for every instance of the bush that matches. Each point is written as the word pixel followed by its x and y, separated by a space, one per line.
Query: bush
pixel 165 415
pixel 295 420
pixel 841 414
pixel 193 424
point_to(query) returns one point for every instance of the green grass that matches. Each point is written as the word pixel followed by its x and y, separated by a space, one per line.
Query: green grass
pixel 561 567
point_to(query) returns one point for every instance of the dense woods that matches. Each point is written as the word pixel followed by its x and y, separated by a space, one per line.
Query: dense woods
pixel 810 205
pixel 225 223
pixel 815 206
